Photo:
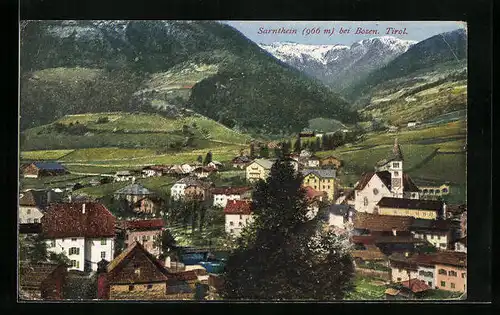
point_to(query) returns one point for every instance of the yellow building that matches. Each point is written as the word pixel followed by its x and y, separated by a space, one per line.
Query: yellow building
pixel 320 180
pixel 421 209
pixel 258 169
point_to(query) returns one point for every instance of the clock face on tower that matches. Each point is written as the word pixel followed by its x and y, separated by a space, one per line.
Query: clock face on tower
pixel 396 182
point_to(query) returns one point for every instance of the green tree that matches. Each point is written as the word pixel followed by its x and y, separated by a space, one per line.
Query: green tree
pixel 166 242
pixel 264 152
pixel 282 255
pixel 208 158
pixel 318 145
pixel 298 145
pixel 252 150
pixel 199 159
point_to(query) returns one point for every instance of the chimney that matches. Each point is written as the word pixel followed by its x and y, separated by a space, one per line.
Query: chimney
pixel 394 231
pixel 444 210
pixel 83 208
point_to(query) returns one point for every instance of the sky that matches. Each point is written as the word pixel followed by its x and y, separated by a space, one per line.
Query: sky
pixel 415 30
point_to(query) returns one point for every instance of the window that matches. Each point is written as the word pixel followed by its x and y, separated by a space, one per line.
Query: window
pixel 452 285
pixel 29 220
pixel 231 223
pixel 398 279
pixel 375 191
pixel 103 241
pixel 396 174
pixel 432 236
pixel 241 217
pixel 400 270
pixel 365 201
pixel 444 191
pixel 328 186
pixel 443 245
pixel 149 286
pixel 131 288
pixel 35 221
pixel 442 272
pixel 452 273
pixel 430 283
pixel 443 284
pixel 74 264
pixel 240 223
pixel 103 255
pixel 52 243
pixel 231 231
pixel 73 239
pixel 74 251
pixel 28 211
pixel 395 165
pixel 463 274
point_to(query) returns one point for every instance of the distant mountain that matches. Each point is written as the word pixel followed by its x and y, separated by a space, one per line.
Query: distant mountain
pixel 340 66
pixel 71 67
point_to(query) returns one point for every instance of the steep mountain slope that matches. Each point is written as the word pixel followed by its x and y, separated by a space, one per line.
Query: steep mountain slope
pixel 429 80
pixel 71 67
pixel 340 66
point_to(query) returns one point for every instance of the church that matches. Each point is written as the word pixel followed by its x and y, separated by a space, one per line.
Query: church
pixel 388 180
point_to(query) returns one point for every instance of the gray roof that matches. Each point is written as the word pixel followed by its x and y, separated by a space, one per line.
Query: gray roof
pixel 190 180
pixel 265 163
pixel 51 166
pixel 134 189
pixel 323 173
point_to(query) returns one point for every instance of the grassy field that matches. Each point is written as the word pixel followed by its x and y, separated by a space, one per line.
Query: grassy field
pixel 365 289
pixel 44 154
pixel 52 181
pixel 102 190
pixel 99 154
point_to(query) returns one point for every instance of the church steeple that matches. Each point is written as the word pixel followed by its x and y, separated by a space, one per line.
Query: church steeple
pixel 396 151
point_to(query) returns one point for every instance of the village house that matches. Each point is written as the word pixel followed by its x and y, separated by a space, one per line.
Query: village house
pixel 402 267
pixel 146 232
pixel 136 274
pixel 204 171
pixel 293 161
pixel 133 193
pixel 463 224
pixel 258 169
pixel 340 216
pixel 436 232
pixel 305 154
pixel 155 170
pixel 200 191
pixel 409 289
pixel 32 203
pixel 412 124
pixel 241 161
pixel 215 165
pixel 314 200
pixel 29 229
pixel 330 161
pixel 84 232
pixel 320 180
pixel 123 176
pixel 451 271
pixel 313 161
pixel 423 209
pixel 197 187
pixel 222 194
pixel 42 281
pixel 434 191
pixel 40 169
pixel 368 255
pixel 149 205
pixel 461 245
pixel 389 233
pixel 237 214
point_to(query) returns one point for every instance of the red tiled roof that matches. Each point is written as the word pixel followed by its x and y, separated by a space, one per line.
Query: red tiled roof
pixel 363 239
pixel 377 222
pixel 415 285
pixel 238 207
pixel 452 258
pixel 230 190
pixel 311 193
pixel 144 224
pixel 68 220
pixel 414 204
pixel 185 275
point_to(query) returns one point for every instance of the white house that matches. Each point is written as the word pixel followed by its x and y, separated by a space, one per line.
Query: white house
pixel 237 215
pixel 84 232
pixel 177 190
pixel 32 204
pixel 258 169
pixel 123 176
pixel 313 161
pixel 215 164
pixel 436 232
pixel 222 194
pixel 339 216
pixel 426 273
pixel 413 123
pixel 186 168
pixel 461 245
